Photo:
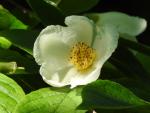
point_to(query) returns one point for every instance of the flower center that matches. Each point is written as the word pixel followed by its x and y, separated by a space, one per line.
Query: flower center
pixel 82 56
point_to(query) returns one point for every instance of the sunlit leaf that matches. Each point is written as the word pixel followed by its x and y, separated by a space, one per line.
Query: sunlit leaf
pixel 10 94
pixel 29 82
pixel 4 43
pixel 8 21
pixel 51 100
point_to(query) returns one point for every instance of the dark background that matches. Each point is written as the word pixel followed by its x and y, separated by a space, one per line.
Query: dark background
pixel 139 8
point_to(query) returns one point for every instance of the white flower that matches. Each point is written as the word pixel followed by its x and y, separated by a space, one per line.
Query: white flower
pixel 74 54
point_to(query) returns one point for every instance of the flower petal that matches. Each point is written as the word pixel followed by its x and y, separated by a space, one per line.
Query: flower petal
pixel 67 75
pixel 55 76
pixel 84 27
pixel 53 40
pixel 83 78
pixel 51 44
pixel 126 25
pixel 105 43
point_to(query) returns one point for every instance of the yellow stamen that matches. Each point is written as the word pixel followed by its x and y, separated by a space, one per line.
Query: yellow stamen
pixel 82 56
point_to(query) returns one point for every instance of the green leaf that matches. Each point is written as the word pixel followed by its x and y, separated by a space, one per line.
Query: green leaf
pixel 8 21
pixel 69 7
pixel 145 61
pixel 51 100
pixel 47 12
pixel 29 82
pixel 3 110
pixel 10 94
pixel 135 46
pixel 54 11
pixel 4 43
pixel 109 71
pixel 23 39
pixel 27 16
pixel 139 88
pixel 105 94
pixel 127 62
pixel 137 110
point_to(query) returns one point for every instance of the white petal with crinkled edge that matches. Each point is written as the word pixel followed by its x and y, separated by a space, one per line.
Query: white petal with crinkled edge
pixel 125 24
pixel 53 39
pixel 52 43
pixel 54 75
pixel 67 75
pixel 84 27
